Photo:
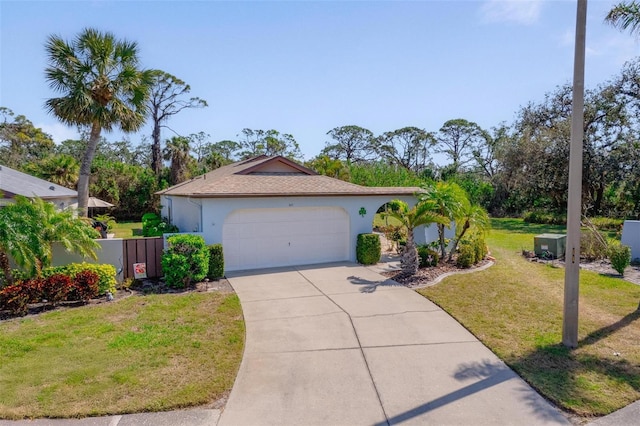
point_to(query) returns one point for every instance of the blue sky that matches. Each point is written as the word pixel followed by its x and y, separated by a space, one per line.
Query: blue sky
pixel 307 67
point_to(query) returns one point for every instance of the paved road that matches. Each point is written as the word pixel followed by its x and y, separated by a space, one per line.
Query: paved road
pixel 339 344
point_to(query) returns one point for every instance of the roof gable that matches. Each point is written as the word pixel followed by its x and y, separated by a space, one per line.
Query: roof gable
pixel 272 177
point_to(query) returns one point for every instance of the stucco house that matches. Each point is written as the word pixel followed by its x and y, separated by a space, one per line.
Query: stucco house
pixel 271 211
pixel 13 182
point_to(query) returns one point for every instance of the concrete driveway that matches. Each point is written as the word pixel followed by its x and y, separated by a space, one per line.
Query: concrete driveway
pixel 339 344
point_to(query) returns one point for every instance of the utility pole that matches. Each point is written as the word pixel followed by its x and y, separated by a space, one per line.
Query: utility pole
pixel 574 203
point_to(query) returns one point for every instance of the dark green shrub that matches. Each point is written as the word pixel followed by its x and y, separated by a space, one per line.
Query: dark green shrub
pixel 105 272
pixel 466 254
pixel 480 247
pixel 155 226
pixel 368 249
pixel 543 217
pixel 185 261
pixel 620 257
pixel 216 262
pixel 428 256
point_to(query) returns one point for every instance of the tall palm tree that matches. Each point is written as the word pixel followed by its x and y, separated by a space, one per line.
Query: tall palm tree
pixel 101 87
pixel 449 200
pixel 421 214
pixel 625 16
pixel 178 151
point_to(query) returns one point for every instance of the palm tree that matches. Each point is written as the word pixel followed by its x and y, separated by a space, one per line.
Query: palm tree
pixel 448 200
pixel 29 227
pixel 101 88
pixel 62 169
pixel 17 239
pixel 625 16
pixel 178 151
pixel 421 214
pixel 474 218
pixel 75 234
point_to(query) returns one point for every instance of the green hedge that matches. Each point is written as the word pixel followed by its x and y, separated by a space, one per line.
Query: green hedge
pixel 471 250
pixel 216 262
pixel 106 274
pixel 155 226
pixel 428 256
pixel 620 257
pixel 186 260
pixel 368 249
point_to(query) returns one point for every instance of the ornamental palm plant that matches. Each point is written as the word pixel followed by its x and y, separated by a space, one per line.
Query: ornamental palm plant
pixel 17 239
pixel 101 87
pixel 474 218
pixel 421 214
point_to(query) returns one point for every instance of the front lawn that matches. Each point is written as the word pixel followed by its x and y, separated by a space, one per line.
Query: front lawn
pixel 515 308
pixel 127 229
pixel 142 353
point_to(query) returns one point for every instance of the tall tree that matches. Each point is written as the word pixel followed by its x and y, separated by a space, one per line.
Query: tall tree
pixel 352 144
pixel 178 152
pixel 20 141
pixel 407 147
pixel 625 16
pixel 101 87
pixel 168 97
pixel 458 139
pixel 268 142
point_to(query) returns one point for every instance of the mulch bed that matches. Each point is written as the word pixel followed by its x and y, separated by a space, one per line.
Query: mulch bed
pixel 429 276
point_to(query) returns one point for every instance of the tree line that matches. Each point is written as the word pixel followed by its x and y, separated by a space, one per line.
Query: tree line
pixel 509 169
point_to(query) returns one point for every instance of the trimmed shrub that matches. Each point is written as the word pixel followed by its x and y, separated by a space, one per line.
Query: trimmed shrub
pixel 216 261
pixel 56 287
pixel 620 257
pixel 155 226
pixel 466 254
pixel 185 261
pixel 84 286
pixel 14 299
pixel 105 272
pixel 607 223
pixel 428 256
pixel 368 249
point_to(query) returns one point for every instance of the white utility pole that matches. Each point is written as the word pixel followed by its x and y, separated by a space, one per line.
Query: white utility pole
pixel 574 204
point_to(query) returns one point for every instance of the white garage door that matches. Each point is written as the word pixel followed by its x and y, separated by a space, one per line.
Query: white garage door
pixel 265 238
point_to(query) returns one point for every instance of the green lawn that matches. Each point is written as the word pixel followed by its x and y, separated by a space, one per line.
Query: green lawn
pixel 379 221
pixel 515 308
pixel 127 229
pixel 142 353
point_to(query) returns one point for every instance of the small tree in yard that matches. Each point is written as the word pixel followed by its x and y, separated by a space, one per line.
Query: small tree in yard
pixel 620 257
pixel 421 214
pixel 186 261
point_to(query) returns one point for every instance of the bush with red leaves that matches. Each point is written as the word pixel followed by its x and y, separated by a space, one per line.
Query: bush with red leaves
pixel 14 299
pixel 56 288
pixel 84 286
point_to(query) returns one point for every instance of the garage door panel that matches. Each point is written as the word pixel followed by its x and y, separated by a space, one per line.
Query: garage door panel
pixel 261 238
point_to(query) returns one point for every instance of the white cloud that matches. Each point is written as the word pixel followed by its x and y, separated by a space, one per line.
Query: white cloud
pixel 525 12
pixel 58 131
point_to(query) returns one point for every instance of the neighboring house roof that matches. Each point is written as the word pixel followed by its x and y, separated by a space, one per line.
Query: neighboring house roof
pixel 13 182
pixel 273 177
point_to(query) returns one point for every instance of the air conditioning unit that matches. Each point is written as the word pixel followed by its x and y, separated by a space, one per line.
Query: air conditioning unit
pixel 550 244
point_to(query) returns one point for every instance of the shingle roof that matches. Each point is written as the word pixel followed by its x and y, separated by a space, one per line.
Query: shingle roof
pixel 273 177
pixel 13 182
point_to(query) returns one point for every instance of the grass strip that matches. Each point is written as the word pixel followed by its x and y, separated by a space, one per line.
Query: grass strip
pixel 515 308
pixel 151 353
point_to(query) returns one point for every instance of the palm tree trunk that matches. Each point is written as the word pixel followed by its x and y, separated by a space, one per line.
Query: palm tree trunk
pixel 85 169
pixel 409 261
pixel 6 268
pixel 457 240
pixel 443 248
